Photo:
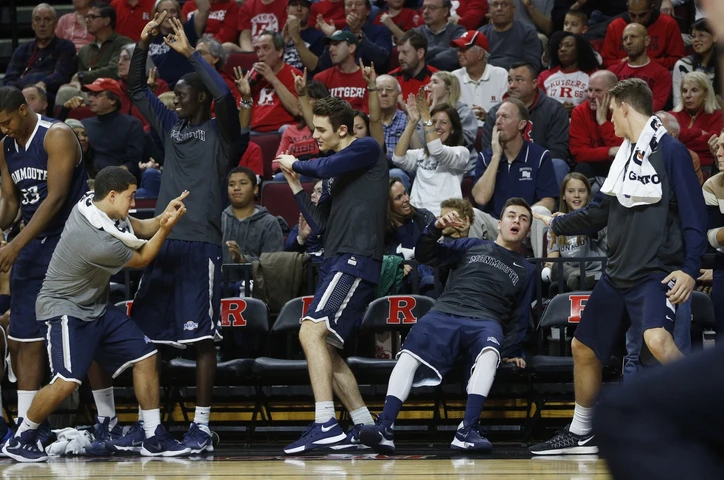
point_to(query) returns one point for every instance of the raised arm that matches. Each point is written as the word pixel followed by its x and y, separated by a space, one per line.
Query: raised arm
pixel 300 86
pixel 147 228
pixel 370 77
pixel 586 221
pixel 361 154
pixel 430 251
pixel 484 187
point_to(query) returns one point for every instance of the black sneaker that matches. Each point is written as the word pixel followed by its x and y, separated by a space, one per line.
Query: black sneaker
pixel 566 443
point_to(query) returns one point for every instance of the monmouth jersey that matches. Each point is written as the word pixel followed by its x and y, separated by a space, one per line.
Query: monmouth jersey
pixel 28 167
pixel 487 281
pixel 197 157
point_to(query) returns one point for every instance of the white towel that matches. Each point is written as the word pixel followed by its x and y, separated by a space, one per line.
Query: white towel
pixel 632 179
pixel 121 229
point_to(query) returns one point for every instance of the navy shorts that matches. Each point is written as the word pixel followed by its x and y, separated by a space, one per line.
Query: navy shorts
pixel 610 310
pixel 179 298
pixel 113 340
pixel 340 301
pixel 438 338
pixel 26 279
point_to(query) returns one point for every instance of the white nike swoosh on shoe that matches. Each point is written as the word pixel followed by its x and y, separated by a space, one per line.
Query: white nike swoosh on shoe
pixel 583 442
pixel 326 429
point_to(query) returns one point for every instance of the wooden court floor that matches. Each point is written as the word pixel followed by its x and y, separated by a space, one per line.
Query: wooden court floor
pixel 228 465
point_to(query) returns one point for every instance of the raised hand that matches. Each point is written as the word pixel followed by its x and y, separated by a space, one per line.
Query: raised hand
pixel 300 83
pixel 242 82
pixel 177 203
pixel 152 28
pixel 423 105
pixel 495 144
pixel 169 219
pixel 234 250
pixel 413 114
pixel 304 229
pixel 152 81
pixel 368 74
pixel 602 108
pixel 326 28
pixel 451 219
pixel 293 27
pixel 178 40
pixel 354 22
pixel 74 103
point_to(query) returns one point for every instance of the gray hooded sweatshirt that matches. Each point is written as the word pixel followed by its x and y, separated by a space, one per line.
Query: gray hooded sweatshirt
pixel 256 234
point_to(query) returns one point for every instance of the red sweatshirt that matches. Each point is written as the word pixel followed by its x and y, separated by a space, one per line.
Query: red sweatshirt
pixel 666 46
pixel 407 19
pixel 330 11
pixel 222 19
pixel 657 77
pixel 472 13
pixel 589 141
pixel 130 21
pixel 696 135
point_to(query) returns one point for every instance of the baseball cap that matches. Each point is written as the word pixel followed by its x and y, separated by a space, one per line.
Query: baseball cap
pixel 470 38
pixel 104 84
pixel 342 36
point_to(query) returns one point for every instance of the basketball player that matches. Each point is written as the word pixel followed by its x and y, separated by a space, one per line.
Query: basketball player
pixel 43 175
pixel 654 252
pixel 483 314
pixel 179 297
pixel 99 239
pixel 351 212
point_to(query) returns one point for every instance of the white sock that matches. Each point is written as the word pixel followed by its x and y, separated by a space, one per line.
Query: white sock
pixel 151 420
pixel 582 417
pixel 361 416
pixel 25 426
pixel 323 412
pixel 140 414
pixel 25 399
pixel 201 418
pixel 106 405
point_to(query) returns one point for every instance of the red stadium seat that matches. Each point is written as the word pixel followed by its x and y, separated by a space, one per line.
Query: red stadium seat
pixel 269 143
pixel 81 112
pixel 278 199
pixel 245 60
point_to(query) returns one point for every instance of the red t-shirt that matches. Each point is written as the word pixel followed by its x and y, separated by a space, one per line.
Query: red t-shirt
pixel 666 47
pixel 131 20
pixel 696 136
pixel 253 159
pixel 472 13
pixel 589 141
pixel 330 11
pixel 222 19
pixel 407 19
pixel 299 142
pixel 257 17
pixel 268 112
pixel 412 84
pixel 349 86
pixel 657 77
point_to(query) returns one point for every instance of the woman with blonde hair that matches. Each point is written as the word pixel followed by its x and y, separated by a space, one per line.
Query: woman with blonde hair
pixel 698 114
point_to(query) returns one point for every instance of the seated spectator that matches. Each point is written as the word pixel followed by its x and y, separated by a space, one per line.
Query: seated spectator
pixel 575 194
pixel 576 22
pixel 72 26
pixel 171 64
pixel 510 41
pixel 439 34
pixel 223 18
pixel 467 214
pixel 482 86
pixel 374 41
pixel 549 122
pixel 398 19
pixel 132 16
pixel 150 179
pixel 47 61
pixel 704 58
pixel 157 85
pixel 673 128
pixel 328 13
pixel 393 119
pixel 36 98
pixel 413 72
pixel 248 230
pixel 439 166
pixel 666 46
pixel 572 61
pixel 301 238
pixel 345 77
pixel 537 14
pixel 275 102
pixel 304 43
pixel 444 88
pixel 513 167
pixel 593 143
pixel 114 135
pixel 256 17
pixel 361 124
pixel 405 224
pixel 211 50
pixel 297 138
pixel 85 145
pixel 470 13
pixel 698 115
pixel 99 59
pixel 639 65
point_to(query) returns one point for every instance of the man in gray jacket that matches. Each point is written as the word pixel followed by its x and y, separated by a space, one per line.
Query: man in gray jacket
pixel 439 34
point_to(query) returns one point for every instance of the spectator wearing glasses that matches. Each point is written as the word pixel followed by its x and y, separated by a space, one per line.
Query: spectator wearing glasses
pixel 511 41
pixel 72 26
pixel 439 34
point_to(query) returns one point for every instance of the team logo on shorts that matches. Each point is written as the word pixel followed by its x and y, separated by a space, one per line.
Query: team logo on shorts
pixel 191 326
pixel 494 340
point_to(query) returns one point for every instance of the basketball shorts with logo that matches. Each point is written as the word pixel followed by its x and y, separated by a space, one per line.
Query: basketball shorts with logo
pixel 113 340
pixel 340 302
pixel 26 279
pixel 438 339
pixel 610 310
pixel 179 298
